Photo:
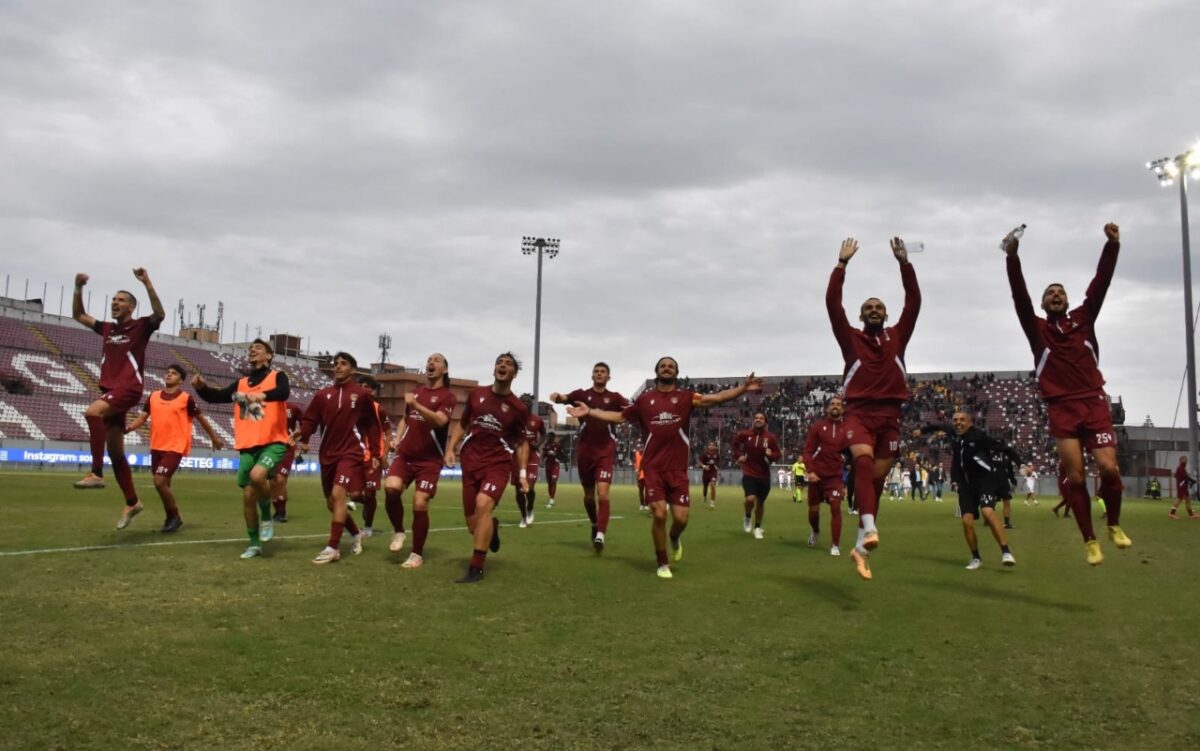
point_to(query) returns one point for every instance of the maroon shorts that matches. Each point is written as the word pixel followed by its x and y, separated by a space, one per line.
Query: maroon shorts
pixel 531 475
pixel 284 468
pixel 489 480
pixel 424 474
pixel 594 469
pixel 371 477
pixel 164 463
pixel 345 472
pixel 671 487
pixel 709 476
pixel 1181 490
pixel 121 401
pixel 882 432
pixel 1087 419
pixel 829 490
pixel 551 471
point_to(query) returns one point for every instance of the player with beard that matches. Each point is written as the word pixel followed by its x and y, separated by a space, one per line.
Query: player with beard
pixel 420 448
pixel 551 460
pixel 535 434
pixel 122 365
pixel 596 449
pixel 664 415
pixel 488 434
pixel 823 457
pixel 874 386
pixel 259 435
pixel 1066 357
pixel 710 473
pixel 171 411
pixel 345 414
pixel 755 449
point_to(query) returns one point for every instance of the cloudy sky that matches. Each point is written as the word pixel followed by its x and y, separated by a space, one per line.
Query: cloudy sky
pixel 360 167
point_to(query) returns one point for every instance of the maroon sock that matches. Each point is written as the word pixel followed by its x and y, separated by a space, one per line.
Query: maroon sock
pixel 1110 490
pixel 124 477
pixel 814 517
pixel 590 507
pixel 351 527
pixel 602 515
pixel 393 503
pixel 478 557
pixel 280 504
pixel 1081 504
pixel 864 485
pixel 661 555
pixel 335 534
pixel 370 503
pixel 420 530
pixel 835 522
pixel 97 434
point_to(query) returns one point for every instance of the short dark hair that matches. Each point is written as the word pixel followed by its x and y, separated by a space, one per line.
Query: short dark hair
pixel 369 382
pixel 132 297
pixel 510 356
pixel 178 369
pixel 1052 284
pixel 266 345
pixel 347 357
pixel 604 365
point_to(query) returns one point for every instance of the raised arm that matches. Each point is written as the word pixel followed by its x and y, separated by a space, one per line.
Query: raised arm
pixel 1104 271
pixel 833 295
pixel 438 418
pixel 77 311
pixel 934 427
pixel 912 292
pixel 1020 293
pixel 156 307
pixel 212 395
pixel 750 384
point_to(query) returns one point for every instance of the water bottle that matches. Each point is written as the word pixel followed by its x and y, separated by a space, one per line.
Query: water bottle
pixel 1014 235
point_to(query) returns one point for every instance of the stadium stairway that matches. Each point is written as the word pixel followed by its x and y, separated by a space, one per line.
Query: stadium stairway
pixel 79 372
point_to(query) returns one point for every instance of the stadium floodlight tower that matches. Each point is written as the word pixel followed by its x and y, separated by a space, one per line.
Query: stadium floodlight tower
pixel 1168 170
pixel 548 247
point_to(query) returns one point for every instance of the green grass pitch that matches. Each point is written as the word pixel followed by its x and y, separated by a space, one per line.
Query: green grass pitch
pixel 753 645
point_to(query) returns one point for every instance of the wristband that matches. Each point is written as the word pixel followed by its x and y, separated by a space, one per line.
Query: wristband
pixel 523 474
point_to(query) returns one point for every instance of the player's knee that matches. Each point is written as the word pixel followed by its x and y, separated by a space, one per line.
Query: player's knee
pixel 161 482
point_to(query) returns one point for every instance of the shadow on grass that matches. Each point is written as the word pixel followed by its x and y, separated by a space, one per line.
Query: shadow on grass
pixel 985 592
pixel 835 591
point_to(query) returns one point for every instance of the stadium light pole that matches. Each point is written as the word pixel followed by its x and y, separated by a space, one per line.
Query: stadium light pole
pixel 1168 170
pixel 547 247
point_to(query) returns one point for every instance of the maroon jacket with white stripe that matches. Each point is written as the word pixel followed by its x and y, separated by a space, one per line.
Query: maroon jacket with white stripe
pixel 874 360
pixel 823 447
pixel 1066 354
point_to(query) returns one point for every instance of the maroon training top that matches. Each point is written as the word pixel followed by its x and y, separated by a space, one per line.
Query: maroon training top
pixel 664 418
pixel 494 426
pixel 823 447
pixel 123 357
pixel 346 415
pixel 596 437
pixel 421 441
pixel 759 448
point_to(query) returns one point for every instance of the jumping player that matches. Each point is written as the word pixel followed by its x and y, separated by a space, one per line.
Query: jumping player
pixel 1066 357
pixel 490 432
pixel 420 448
pixel 551 459
pixel 980 478
pixel 664 415
pixel 874 385
pixel 755 449
pixel 596 449
pixel 279 493
pixel 710 473
pixel 122 364
pixel 171 411
pixel 259 434
pixel 823 456
pixel 345 414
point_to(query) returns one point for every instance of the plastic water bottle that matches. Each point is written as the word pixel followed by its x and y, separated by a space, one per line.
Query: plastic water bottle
pixel 914 246
pixel 1014 235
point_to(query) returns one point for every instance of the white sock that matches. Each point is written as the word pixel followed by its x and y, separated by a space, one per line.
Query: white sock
pixel 868 523
pixel 858 545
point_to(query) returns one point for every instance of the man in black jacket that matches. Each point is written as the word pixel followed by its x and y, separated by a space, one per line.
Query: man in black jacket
pixel 979 478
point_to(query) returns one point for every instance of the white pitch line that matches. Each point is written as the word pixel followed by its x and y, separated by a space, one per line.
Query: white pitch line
pixel 88 548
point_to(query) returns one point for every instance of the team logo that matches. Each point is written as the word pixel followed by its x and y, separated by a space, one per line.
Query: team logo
pixel 503 407
pixel 606 401
pixel 481 400
pixel 674 400
pixel 118 339
pixel 433 400
pixel 849 433
pixel 353 400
